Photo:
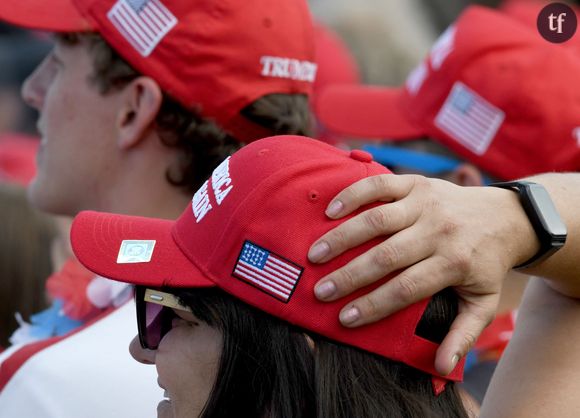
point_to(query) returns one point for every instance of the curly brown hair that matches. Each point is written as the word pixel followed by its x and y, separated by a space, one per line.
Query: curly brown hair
pixel 203 143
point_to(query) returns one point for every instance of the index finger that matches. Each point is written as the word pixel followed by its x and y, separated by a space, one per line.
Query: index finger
pixel 381 188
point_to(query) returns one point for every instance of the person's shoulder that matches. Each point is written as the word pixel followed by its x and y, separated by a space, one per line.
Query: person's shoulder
pixel 14 358
pixel 91 363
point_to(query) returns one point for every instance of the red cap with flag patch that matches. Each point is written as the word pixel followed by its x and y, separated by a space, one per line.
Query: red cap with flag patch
pixel 213 56
pixel 491 89
pixel 248 231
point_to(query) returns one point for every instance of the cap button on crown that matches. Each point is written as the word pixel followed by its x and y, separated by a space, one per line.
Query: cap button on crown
pixel 360 155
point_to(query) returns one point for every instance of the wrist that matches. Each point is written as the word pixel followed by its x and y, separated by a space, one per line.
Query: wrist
pixel 519 235
pixel 548 226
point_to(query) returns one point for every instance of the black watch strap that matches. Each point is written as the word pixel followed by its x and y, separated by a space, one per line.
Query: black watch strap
pixel 545 219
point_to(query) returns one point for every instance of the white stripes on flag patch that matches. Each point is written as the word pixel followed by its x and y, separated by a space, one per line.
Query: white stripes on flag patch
pixel 267 271
pixel 469 119
pixel 143 23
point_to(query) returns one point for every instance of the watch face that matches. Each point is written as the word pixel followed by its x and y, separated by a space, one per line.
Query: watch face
pixel 547 214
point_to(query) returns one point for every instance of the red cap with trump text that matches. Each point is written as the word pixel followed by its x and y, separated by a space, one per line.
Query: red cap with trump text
pixel 213 56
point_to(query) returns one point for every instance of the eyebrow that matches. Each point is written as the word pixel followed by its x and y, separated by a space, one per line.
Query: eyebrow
pixel 165 299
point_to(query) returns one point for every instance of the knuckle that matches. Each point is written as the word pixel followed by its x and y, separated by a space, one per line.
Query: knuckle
pixel 421 181
pixel 423 184
pixel 376 219
pixel 337 239
pixel 405 289
pixel 385 256
pixel 461 260
pixel 350 195
pixel 346 280
pixel 380 182
pixel 468 341
pixel 370 308
pixel 448 227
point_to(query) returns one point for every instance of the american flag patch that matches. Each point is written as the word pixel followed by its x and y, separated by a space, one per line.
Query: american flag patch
pixel 267 271
pixel 469 119
pixel 143 23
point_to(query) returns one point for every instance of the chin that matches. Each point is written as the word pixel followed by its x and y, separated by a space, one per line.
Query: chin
pixel 44 199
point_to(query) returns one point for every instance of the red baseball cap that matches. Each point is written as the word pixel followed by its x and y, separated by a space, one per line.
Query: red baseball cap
pixel 491 89
pixel 247 231
pixel 525 11
pixel 212 56
pixel 336 65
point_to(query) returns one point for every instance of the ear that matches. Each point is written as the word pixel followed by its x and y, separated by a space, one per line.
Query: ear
pixel 467 175
pixel 140 104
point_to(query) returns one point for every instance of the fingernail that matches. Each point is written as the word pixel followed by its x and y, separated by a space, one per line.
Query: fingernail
pixel 454 361
pixel 319 251
pixel 334 208
pixel 325 290
pixel 349 316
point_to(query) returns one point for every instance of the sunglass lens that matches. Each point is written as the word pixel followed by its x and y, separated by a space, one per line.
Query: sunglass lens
pixel 158 321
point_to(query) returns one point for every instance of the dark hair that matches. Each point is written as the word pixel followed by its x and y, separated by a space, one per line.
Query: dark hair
pixel 268 369
pixel 204 144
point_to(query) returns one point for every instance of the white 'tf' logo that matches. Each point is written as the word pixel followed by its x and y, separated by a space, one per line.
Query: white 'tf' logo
pixel 559 19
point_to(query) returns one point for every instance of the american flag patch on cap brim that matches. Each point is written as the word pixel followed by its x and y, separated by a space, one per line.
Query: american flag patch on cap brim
pixel 469 119
pixel 266 271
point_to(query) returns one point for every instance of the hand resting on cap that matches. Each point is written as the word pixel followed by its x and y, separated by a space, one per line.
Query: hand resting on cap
pixel 438 235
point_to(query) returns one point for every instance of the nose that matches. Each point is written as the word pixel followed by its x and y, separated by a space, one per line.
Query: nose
pixel 34 87
pixel 141 354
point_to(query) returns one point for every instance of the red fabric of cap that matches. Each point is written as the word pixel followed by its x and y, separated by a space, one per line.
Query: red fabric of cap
pixel 504 99
pixel 376 106
pixel 213 56
pixel 527 12
pixel 264 204
pixel 336 65
pixel 53 16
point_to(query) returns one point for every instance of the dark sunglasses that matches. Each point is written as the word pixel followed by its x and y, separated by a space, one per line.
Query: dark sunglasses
pixel 155 315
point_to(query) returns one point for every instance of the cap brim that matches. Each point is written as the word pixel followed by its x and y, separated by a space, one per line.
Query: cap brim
pixel 365 111
pixel 97 238
pixel 53 16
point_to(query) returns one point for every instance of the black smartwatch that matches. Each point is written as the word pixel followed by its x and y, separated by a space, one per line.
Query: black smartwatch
pixel 544 217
